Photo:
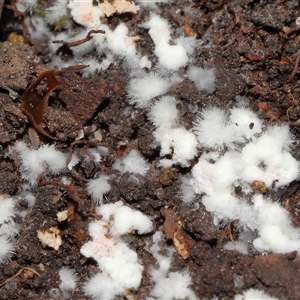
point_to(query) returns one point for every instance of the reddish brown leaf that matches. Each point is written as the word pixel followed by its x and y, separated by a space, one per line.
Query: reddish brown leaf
pixel 34 104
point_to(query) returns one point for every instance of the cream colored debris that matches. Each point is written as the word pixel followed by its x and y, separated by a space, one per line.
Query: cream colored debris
pixel 50 237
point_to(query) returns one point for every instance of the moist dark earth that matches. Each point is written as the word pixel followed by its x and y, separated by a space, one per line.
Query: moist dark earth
pixel 255 52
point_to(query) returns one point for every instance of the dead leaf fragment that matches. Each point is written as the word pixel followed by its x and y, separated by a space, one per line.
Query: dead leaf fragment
pixel 34 104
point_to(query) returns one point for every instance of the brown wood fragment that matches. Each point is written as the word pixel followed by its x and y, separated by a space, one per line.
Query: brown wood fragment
pixel 189 30
pixel 256 58
pixel 71 213
pixel 173 231
pixel 292 205
pixel 259 187
pixel 181 244
pixel 170 225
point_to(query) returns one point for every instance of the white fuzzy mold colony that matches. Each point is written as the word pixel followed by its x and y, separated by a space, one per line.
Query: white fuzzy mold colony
pixel 36 162
pixel 142 90
pixel 172 50
pixel 67 286
pixel 98 187
pixel 133 162
pixel 167 285
pixel 204 79
pixel 172 138
pixel 124 219
pixel 252 294
pixel 251 154
pixel 236 150
pixel 120 269
pixel 8 227
pixel 171 57
pixel 216 129
pixel 114 43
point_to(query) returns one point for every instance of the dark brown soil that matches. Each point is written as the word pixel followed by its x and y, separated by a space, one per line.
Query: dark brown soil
pixel 255 45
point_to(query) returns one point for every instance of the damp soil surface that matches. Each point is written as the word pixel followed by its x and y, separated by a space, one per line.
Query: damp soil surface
pixel 255 50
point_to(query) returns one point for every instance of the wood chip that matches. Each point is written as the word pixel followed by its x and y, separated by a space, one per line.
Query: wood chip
pixel 189 30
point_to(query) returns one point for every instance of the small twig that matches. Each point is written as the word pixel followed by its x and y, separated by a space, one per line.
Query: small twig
pixel 291 77
pixel 21 16
pixel 18 273
pixel 93 143
pixel 79 42
pixel 67 45
pixel 91 210
pixel 69 188
pixel 73 68
pixel 295 103
pixel 231 236
pixel 292 30
pixel 77 176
